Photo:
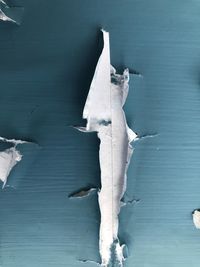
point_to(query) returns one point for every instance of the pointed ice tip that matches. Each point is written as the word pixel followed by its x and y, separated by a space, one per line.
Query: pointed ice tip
pixel 135 72
pixel 104 31
pixel 84 192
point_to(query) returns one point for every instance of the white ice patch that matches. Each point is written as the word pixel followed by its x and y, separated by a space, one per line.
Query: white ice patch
pixel 104 113
pixel 9 158
pixel 196 218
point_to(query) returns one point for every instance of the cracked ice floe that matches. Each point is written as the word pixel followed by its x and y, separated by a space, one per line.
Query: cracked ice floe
pixel 10 14
pixel 196 218
pixel 104 113
pixel 9 158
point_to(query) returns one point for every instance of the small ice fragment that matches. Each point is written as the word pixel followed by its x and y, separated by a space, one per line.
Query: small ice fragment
pixel 196 218
pixel 83 193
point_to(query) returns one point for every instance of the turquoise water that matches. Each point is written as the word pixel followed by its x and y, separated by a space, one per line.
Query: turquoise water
pixel 46 66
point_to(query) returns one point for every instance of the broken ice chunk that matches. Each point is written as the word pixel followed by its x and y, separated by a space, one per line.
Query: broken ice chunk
pixel 9 158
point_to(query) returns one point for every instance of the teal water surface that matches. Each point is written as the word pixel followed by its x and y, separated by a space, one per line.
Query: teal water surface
pixel 46 66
